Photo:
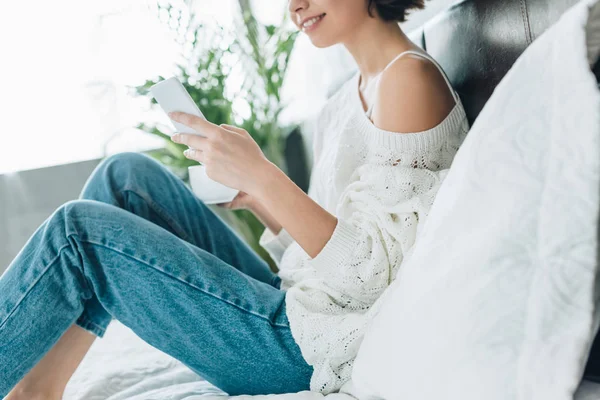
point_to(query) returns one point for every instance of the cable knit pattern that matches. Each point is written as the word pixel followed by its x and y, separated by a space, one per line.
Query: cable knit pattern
pixel 380 185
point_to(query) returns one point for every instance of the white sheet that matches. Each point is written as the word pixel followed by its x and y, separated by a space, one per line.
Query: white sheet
pixel 122 366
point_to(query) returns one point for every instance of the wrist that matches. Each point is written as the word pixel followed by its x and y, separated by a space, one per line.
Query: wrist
pixel 252 204
pixel 265 173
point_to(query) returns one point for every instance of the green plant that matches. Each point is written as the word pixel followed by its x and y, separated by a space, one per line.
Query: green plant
pixel 210 56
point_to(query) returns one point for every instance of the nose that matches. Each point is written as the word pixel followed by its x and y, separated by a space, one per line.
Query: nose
pixel 297 5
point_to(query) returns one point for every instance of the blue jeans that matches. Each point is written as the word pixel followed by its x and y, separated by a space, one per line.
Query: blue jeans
pixel 139 247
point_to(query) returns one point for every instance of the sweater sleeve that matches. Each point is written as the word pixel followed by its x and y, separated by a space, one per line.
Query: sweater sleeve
pixel 275 245
pixel 378 217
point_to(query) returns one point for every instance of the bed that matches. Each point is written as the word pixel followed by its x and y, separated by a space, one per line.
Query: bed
pixel 122 366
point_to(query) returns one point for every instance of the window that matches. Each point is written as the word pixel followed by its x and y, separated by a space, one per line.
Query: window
pixel 66 65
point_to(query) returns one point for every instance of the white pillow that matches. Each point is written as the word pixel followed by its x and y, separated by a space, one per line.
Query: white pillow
pixel 497 299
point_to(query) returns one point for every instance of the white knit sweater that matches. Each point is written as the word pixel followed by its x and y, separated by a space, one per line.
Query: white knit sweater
pixel 380 185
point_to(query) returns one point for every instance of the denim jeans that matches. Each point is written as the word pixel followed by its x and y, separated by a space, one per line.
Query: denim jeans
pixel 139 247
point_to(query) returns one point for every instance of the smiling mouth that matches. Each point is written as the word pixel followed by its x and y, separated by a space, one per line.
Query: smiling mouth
pixel 308 24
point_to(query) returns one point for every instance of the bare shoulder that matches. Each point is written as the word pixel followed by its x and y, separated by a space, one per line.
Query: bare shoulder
pixel 412 96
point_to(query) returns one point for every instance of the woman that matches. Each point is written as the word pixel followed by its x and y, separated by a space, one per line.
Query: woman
pixel 140 248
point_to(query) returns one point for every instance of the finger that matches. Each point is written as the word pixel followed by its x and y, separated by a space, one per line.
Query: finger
pixel 194 154
pixel 234 129
pixel 228 205
pixel 201 125
pixel 195 141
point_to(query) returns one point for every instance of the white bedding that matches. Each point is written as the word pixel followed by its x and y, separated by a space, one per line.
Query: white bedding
pixel 122 366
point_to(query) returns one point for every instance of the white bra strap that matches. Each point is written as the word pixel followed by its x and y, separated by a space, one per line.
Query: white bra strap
pixel 427 56
pixel 395 59
pixel 370 110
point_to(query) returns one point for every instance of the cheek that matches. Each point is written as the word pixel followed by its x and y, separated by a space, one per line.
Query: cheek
pixel 343 16
pixel 347 11
pixel 346 14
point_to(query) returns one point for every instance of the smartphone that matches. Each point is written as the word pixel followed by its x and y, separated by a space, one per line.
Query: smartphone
pixel 171 95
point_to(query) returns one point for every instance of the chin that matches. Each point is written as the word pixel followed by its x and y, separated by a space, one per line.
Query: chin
pixel 322 40
pixel 321 44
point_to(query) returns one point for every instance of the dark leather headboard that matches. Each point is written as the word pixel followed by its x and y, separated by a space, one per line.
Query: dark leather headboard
pixel 477 41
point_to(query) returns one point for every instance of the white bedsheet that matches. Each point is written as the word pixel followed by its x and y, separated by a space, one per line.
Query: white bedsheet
pixel 122 366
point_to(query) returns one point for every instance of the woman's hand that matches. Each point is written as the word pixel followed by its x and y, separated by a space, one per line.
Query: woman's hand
pixel 243 201
pixel 230 154
pixel 234 159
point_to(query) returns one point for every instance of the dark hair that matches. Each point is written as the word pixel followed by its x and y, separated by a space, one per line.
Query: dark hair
pixel 394 10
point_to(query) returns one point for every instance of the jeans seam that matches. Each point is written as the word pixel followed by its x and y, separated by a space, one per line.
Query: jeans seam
pixel 30 288
pixel 279 308
pixel 87 320
pixel 90 241
pixel 159 210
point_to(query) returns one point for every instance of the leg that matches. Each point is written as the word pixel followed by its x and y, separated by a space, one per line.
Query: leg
pixel 48 379
pixel 142 186
pixel 179 298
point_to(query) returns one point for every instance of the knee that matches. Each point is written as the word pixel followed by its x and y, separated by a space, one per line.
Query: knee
pixel 86 219
pixel 118 172
pixel 128 159
pixel 73 215
pixel 123 166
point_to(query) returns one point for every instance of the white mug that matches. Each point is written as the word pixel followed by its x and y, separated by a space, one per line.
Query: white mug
pixel 208 190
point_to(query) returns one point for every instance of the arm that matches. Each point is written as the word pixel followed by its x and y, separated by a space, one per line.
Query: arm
pixel 375 227
pixel 261 211
pixel 264 216
pixel 274 239
pixel 229 152
pixel 305 220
